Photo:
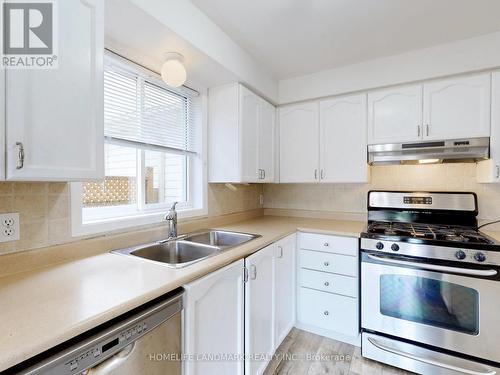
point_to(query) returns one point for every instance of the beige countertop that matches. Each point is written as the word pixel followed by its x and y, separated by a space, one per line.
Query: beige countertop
pixel 47 306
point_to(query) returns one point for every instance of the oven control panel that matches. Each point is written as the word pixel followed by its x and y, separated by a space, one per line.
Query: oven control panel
pixel 432 252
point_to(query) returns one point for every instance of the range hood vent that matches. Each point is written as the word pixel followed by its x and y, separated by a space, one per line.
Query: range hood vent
pixel 466 150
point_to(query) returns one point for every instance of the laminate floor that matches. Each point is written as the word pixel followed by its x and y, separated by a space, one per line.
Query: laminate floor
pixel 304 353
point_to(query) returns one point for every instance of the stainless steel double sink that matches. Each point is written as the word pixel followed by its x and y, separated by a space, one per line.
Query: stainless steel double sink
pixel 188 249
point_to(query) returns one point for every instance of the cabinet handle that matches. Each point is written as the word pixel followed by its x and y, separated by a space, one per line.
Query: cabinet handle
pixel 327 283
pixel 427 130
pixel 20 155
pixel 253 272
pixel 322 174
pixel 497 167
pixel 315 174
pixel 326 313
pixel 418 131
pixel 280 252
pixel 326 264
pixel 263 174
pixel 326 244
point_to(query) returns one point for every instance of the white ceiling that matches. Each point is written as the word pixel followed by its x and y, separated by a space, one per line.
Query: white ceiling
pixel 141 38
pixel 296 37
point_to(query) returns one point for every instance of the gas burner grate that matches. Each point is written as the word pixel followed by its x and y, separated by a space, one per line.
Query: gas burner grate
pixel 430 232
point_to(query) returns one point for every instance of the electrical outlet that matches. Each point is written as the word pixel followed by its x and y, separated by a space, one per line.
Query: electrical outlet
pixel 9 227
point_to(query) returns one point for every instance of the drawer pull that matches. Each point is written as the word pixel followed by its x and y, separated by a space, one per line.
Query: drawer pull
pixel 326 313
pixel 327 283
pixel 326 264
pixel 326 244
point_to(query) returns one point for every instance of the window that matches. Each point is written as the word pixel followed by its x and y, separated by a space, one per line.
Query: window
pixel 153 154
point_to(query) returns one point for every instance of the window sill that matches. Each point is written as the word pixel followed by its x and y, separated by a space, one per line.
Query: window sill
pixel 129 222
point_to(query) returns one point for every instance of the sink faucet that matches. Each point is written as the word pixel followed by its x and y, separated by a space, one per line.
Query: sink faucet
pixel 171 219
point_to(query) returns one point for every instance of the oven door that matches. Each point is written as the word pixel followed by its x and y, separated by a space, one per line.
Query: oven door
pixel 443 306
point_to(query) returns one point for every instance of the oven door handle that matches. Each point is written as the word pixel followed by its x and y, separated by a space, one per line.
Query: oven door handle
pixel 434 267
pixel 427 361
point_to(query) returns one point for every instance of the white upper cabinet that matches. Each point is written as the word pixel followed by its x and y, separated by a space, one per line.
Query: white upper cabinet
pixel 214 321
pixel 241 131
pixel 267 130
pixel 457 108
pixel 299 143
pixel 249 135
pixel 54 118
pixel 395 115
pixel 2 125
pixel 488 171
pixel 343 140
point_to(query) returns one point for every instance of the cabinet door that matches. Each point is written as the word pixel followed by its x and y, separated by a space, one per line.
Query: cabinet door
pixel 457 108
pixel 2 120
pixel 299 143
pixel 343 140
pixel 284 287
pixel 249 135
pixel 56 115
pixel 395 115
pixel 259 310
pixel 266 140
pixel 62 133
pixel 488 171
pixel 214 321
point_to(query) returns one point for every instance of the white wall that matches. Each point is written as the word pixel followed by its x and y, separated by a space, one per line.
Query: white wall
pixel 453 58
pixel 186 20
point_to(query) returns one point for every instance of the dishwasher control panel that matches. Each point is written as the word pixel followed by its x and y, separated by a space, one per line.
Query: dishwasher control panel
pixel 102 345
pixel 110 346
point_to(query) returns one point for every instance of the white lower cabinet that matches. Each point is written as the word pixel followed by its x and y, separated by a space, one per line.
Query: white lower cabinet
pixel 214 322
pixel 259 310
pixel 328 286
pixel 269 302
pixel 249 307
pixel 284 281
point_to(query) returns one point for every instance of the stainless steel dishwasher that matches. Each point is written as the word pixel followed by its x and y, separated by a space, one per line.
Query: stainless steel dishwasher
pixel 147 341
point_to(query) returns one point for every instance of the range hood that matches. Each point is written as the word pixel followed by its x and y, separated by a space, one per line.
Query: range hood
pixel 467 150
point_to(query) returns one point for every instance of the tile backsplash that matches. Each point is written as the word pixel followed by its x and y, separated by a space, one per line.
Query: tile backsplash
pixel 351 198
pixel 44 210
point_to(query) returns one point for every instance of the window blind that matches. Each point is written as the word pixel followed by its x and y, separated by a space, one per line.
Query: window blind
pixel 141 113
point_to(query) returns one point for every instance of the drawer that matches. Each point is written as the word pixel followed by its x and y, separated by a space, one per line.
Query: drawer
pixel 328 282
pixel 331 244
pixel 329 311
pixel 326 262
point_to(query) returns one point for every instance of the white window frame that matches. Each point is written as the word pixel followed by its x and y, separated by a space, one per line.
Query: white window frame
pixel 129 216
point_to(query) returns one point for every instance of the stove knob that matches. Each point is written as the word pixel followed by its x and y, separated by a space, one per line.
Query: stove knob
pixel 395 247
pixel 379 245
pixel 480 257
pixel 460 254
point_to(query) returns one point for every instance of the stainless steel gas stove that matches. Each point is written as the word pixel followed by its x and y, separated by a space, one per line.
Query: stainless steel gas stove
pixel 430 284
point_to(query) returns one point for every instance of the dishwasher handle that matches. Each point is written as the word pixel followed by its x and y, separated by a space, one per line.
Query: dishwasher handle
pixel 111 363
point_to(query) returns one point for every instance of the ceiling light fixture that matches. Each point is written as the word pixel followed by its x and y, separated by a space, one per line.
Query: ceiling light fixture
pixel 173 72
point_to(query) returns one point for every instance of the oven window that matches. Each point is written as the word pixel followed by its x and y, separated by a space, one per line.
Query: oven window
pixel 432 302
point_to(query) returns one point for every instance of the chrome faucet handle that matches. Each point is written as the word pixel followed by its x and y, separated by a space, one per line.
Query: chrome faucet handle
pixel 172 213
pixel 171 218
